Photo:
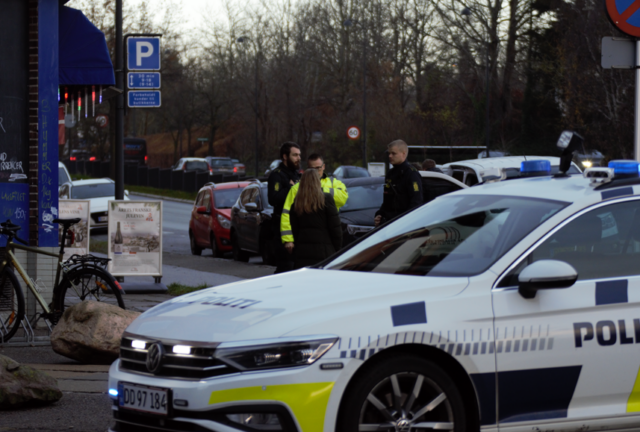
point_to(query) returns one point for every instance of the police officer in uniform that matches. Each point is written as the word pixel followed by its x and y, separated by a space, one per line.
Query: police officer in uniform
pixel 402 187
pixel 280 182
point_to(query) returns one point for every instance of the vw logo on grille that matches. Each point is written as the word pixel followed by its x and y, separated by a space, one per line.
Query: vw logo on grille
pixel 154 357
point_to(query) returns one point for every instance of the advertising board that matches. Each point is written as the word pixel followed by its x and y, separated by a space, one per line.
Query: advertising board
pixel 135 238
pixel 78 244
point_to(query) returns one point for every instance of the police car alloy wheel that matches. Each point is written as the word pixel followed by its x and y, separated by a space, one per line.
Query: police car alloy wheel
pixel 403 394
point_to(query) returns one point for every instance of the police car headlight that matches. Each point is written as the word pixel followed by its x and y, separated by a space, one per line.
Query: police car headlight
pixel 224 222
pixel 275 355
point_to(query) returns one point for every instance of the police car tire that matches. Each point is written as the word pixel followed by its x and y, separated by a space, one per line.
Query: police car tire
pixel 356 406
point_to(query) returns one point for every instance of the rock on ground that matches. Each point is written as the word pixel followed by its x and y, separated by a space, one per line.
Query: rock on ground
pixel 90 332
pixel 22 386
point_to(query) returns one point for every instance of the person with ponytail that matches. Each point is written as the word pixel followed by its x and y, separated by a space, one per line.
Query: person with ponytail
pixel 315 223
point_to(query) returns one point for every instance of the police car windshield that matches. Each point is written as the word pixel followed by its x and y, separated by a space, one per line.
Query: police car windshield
pixel 461 235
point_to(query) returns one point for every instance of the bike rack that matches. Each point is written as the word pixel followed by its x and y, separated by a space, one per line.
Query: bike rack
pixel 29 338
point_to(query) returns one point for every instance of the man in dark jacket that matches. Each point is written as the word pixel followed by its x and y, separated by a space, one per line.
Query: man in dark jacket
pixel 402 187
pixel 280 181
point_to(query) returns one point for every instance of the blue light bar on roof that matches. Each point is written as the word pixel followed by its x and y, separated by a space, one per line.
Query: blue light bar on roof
pixel 535 168
pixel 624 168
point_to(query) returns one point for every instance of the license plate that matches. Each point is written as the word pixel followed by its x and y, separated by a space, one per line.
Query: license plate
pixel 142 398
pixel 102 218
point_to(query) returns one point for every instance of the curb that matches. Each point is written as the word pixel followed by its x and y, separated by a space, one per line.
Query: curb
pixel 162 197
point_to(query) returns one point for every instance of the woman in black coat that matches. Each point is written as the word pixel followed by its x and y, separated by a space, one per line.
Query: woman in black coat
pixel 317 231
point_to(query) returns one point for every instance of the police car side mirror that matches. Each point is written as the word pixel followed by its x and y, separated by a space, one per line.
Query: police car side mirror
pixel 545 274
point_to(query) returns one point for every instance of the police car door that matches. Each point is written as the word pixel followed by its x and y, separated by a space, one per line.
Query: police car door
pixel 569 358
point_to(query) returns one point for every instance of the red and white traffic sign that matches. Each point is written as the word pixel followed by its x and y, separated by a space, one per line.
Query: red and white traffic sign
pixel 625 15
pixel 353 133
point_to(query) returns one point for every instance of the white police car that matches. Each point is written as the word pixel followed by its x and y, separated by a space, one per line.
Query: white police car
pixel 512 306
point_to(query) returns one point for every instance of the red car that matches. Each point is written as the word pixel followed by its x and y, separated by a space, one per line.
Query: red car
pixel 210 224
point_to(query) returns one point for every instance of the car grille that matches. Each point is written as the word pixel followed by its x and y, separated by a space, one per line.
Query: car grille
pixel 199 364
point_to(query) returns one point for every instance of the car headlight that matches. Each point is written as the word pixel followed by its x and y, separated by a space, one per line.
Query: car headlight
pixel 358 229
pixel 275 354
pixel 224 222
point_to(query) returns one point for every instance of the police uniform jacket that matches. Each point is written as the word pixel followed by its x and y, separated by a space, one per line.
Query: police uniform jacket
pixel 402 191
pixel 330 185
pixel 278 188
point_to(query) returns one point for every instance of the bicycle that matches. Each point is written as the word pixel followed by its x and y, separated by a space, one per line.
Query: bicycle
pixel 79 278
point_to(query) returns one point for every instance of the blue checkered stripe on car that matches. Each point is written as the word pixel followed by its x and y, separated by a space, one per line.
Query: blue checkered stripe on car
pixel 506 340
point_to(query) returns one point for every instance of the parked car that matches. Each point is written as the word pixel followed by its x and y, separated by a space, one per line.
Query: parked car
pixel 348 171
pixel 209 227
pixel 251 229
pixel 365 198
pixel 221 165
pixel 63 175
pixel 273 166
pixel 80 156
pixel 238 167
pixel 474 171
pixel 192 164
pixel 98 192
pixel 135 151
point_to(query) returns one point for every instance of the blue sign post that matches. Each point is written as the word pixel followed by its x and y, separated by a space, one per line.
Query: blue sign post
pixel 143 53
pixel 144 99
pixel 143 80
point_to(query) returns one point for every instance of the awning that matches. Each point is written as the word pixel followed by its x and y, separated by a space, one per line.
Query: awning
pixel 83 54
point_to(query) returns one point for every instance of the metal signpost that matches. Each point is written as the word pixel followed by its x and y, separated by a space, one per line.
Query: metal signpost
pixel 615 53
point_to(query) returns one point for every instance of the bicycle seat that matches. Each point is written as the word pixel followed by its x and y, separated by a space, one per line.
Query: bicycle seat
pixel 67 222
pixel 8 226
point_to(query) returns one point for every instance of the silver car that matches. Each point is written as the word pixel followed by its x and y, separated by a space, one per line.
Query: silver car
pixel 221 165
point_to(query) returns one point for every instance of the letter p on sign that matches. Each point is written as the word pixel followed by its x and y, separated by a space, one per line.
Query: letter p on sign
pixel 143 53
pixel 143 49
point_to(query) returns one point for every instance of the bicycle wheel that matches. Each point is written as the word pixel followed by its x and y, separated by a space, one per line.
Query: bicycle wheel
pixel 11 304
pixel 89 283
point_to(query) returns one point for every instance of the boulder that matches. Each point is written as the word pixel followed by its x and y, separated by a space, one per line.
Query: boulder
pixel 90 332
pixel 22 386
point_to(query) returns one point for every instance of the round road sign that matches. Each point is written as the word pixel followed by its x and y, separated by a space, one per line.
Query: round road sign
pixel 354 133
pixel 625 15
pixel 102 121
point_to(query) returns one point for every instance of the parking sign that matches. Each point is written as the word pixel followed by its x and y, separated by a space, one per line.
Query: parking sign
pixel 143 53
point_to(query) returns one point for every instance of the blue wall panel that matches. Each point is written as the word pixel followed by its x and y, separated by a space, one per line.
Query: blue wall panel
pixel 47 122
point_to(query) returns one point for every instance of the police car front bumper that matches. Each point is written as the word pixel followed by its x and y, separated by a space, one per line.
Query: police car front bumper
pixel 287 400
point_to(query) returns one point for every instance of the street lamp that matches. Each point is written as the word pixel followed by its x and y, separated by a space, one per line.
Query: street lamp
pixel 242 40
pixel 348 23
pixel 466 12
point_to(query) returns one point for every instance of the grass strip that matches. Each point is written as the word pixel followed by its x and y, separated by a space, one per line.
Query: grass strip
pixel 98 246
pixel 177 289
pixel 191 196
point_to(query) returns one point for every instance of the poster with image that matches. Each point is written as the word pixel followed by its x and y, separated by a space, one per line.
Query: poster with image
pixel 78 243
pixel 135 238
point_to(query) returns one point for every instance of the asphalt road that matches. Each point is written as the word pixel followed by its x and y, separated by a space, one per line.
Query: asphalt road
pixel 175 229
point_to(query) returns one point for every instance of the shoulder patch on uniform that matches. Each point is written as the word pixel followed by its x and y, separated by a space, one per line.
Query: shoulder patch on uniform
pixel 415 187
pixel 277 187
